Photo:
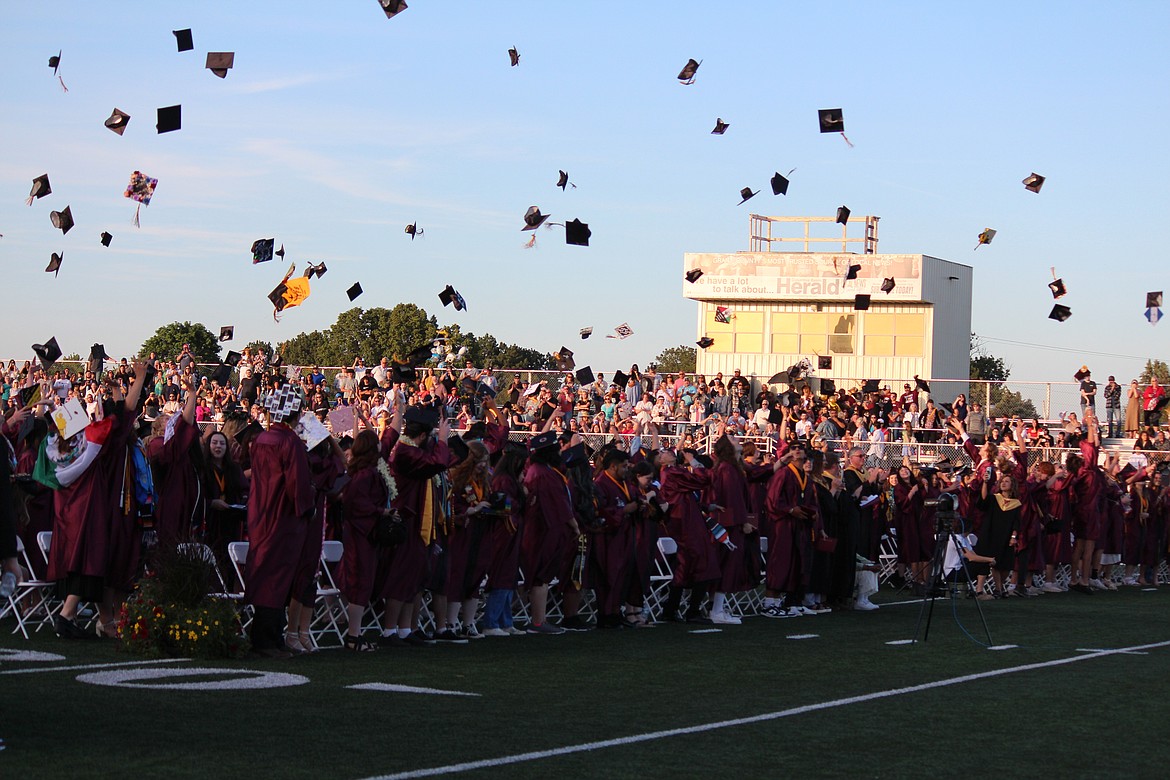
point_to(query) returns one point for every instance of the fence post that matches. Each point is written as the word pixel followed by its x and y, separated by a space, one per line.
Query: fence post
pixel 1047 400
pixel 987 398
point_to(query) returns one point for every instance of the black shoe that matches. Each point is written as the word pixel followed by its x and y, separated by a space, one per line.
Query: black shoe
pixel 449 637
pixel 698 619
pixel 577 623
pixel 417 639
pixel 393 640
pixel 1079 588
pixel 68 629
pixel 673 617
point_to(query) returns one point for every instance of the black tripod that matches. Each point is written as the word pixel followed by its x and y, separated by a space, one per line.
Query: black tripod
pixel 937 583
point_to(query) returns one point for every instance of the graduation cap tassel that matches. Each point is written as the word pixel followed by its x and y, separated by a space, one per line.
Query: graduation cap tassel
pixel 63 87
pixel 847 140
pixel 29 200
pixel 531 242
pixel 137 209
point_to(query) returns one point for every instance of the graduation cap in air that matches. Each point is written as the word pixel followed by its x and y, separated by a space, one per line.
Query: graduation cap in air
pixel 49 353
pixel 985 237
pixel 222 374
pixel 533 218
pixel 227 333
pixel 1033 182
pixel 392 7
pixel 170 118
pixel 289 293
pixel 106 238
pixel 318 270
pixel 1060 313
pixel 623 331
pixel 778 377
pixel 832 120
pixel 354 291
pixel 852 272
pixel 888 285
pixel 450 296
pixel 585 376
pixel 118 121
pixel 233 358
pixel 861 302
pixel 827 387
pixel 427 416
pixel 62 220
pixel 620 378
pixel 563 180
pixel 779 184
pixel 824 362
pixel 220 62
pixel 747 194
pixel 55 62
pixel 1057 287
pixel 720 126
pixel 55 263
pixel 413 230
pixel 722 314
pixel 1081 373
pixel 262 250
pixel 140 189
pixel 586 332
pixel 577 233
pixel 921 384
pixel 871 386
pixel 40 188
pixel 843 215
pixel 693 275
pixel 514 56
pixel 183 39
pixel 565 360
pixel 419 355
pixel 705 342
pixel 402 372
pixel 776 416
pixel 1154 300
pixel 687 74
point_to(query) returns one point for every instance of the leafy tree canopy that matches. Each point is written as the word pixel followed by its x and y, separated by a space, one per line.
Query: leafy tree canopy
pixel 675 359
pixel 167 342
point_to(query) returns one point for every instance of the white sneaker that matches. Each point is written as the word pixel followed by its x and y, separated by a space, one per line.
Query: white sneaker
pixel 804 610
pixel 1096 584
pixel 495 632
pixel 864 605
pixel 471 632
pixel 1129 581
pixel 790 612
pixel 1109 584
pixel 513 631
pixel 7 585
pixel 1051 587
pixel 724 619
pixel 773 612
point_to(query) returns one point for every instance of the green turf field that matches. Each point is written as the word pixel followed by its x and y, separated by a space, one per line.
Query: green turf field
pixel 1094 717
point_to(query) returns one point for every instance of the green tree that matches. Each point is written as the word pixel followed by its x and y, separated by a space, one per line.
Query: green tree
pixel 1155 368
pixel 260 346
pixel 674 359
pixel 994 370
pixel 167 342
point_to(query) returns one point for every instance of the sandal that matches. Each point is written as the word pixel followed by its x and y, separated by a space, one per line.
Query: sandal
pixel 306 641
pixel 107 630
pixel 359 644
pixel 293 644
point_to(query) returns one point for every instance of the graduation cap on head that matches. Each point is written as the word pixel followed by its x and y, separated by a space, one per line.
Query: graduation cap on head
pixel 450 296
pixel 824 362
pixel 458 448
pixel 262 250
pixel 170 118
pixel 722 314
pixel 62 220
pixel 585 376
pixel 220 62
pixel 227 333
pixel 861 302
pixel 705 342
pixel 233 358
pixel 565 360
pixel 533 218
pixel 423 415
pixel 49 353
pixel 392 7
pixel 563 180
pixel 413 230
pixel 118 121
pixel 779 184
pixel 720 126
pixel 55 263
pixel 40 188
pixel 854 268
pixel 747 194
pixel 577 233
pixel 253 428
pixel 586 332
pixel 402 372
pixel 985 237
pixel 183 39
pixel 620 379
pixel 514 56
pixel 687 74
pixel 921 384
pixel 888 285
pixel 1033 182
pixel 1060 313
pixel 1154 300
pixel 354 291
pixel 693 275
pixel 843 215
pixel 106 238
pixel 871 386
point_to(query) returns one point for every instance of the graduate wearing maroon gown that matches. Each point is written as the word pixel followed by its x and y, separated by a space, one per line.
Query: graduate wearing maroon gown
pixel 729 490
pixel 125 531
pixel 364 499
pixel 792 507
pixel 697 566
pixel 611 544
pixel 550 527
pixel 177 481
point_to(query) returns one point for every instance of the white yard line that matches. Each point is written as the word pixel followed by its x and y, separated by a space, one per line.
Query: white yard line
pixel 518 758
pixel 392 688
pixel 39 670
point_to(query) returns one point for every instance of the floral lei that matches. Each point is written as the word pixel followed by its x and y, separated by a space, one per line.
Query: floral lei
pixel 388 479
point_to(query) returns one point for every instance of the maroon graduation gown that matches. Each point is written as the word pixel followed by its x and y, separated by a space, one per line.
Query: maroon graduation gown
pixel 790 557
pixel 176 483
pixel 729 489
pixel 504 537
pixel 698 560
pixel 363 500
pixel 611 547
pixel 547 544
pixel 403 569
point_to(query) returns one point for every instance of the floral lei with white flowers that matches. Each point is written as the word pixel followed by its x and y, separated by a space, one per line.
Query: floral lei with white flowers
pixel 388 479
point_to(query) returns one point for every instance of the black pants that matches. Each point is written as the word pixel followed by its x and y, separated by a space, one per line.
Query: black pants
pixel 268 628
pixel 7 510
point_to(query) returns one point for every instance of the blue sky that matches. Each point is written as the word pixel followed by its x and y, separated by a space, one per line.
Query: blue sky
pixel 337 127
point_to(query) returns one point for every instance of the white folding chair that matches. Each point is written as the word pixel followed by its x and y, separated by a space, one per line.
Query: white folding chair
pixel 663 573
pixel 238 555
pixel 32 603
pixel 205 553
pixel 328 602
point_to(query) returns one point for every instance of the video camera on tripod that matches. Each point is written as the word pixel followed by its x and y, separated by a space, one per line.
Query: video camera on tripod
pixel 946 508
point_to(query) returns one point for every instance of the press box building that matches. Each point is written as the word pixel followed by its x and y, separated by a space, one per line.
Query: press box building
pixel 784 306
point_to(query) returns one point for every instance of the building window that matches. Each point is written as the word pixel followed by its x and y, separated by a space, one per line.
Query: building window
pixel 889 334
pixel 841 340
pixel 745 332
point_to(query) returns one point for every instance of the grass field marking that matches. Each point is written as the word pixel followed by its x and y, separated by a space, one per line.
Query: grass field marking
pixel 28 656
pixel 536 755
pixel 391 688
pixel 706 631
pixel 153 679
pixel 95 666
pixel 1105 650
pixel 802 636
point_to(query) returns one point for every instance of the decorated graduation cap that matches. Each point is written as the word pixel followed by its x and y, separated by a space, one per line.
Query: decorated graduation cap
pixel 392 7
pixel 170 118
pixel 921 384
pixel 577 233
pixel 62 220
pixel 623 331
pixel 720 126
pixel 48 353
pixel 843 215
pixel 694 275
pixel 747 194
pixel 824 362
pixel 106 238
pixel 227 333
pixel 1154 299
pixel 533 218
pixel 586 332
pixel 220 62
pixel 832 120
pixel 514 56
pixel 450 296
pixel 118 121
pixel 183 39
pixel 705 342
pixel 354 291
pixel 55 263
pixel 780 183
pixel 233 358
pixel 1033 182
pixel 563 180
pixel 413 230
pixel 262 250
pixel 40 188
pixel 585 376
pixel 687 74
pixel 140 190
pixel 289 292
pixel 1057 287
pixel 888 285
pixel 565 360
pixel 985 237
pixel 1060 313
pixel 284 402
pixel 542 441
pixel 861 302
pixel 723 314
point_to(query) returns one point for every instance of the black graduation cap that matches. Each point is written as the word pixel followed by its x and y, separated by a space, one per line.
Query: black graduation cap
pixel 586 332
pixel 62 220
pixel 55 263
pixel 533 218
pixel 565 360
pixel 1060 313
pixel 776 416
pixel 170 119
pixel 413 230
pixel 253 428
pixel 985 237
pixel 824 362
pixel 423 415
pixel 861 302
pixel 233 358
pixel 693 275
pixel 620 379
pixel 577 233
pixel 183 39
pixel 262 250
pixel 888 285
pixel 40 188
pixel 468 385
pixel 720 126
pixel 354 291
pixel 1057 287
pixel 55 62
pixel 458 448
pixel 106 238
pixel 921 384
pixel 280 252
pixel 49 353
pixel 585 376
pixel 854 268
pixel 746 193
pixel 779 184
pixel 949 408
pixel 222 374
pixel 843 215
pixel 832 120
pixel 514 56
pixel 220 62
pixel 118 121
pixel 1081 373
pixel 227 333
pixel 317 270
pixel 871 386
pixel 1154 300
pixel 687 74
pixel 419 355
pixel 1033 182
pixel 705 342
pixel 828 387
pixel 450 296
pixel 392 7
pixel 563 180
pixel 402 372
